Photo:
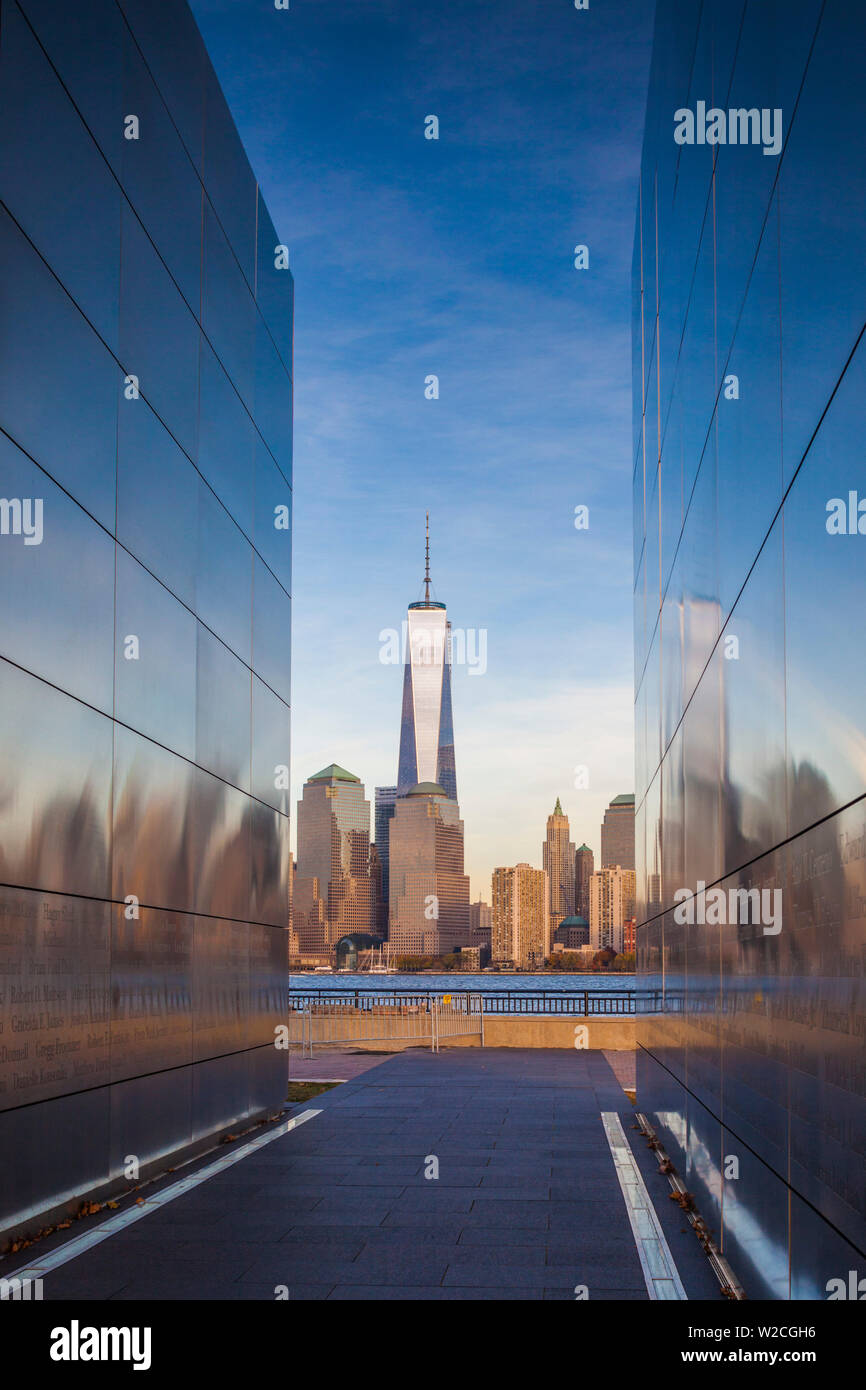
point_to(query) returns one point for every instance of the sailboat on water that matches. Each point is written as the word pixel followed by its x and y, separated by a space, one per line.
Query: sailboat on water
pixel 378 966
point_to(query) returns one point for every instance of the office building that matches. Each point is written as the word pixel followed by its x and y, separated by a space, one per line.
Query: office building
pixel 146 401
pixel 750 405
pixel 480 922
pixel 572 933
pixel 521 916
pixel 334 893
pixel 429 905
pixel 584 865
pixel 385 797
pixel 427 726
pixel 379 902
pixel 558 860
pixel 617 833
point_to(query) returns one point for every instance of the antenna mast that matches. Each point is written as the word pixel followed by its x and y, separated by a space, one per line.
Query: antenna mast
pixel 427 569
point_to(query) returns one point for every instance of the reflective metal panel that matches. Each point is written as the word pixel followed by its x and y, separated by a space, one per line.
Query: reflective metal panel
pixel 228 309
pixel 274 285
pixel 159 180
pixel 752 1024
pixel 151 991
pixel 54 995
pixel 143 956
pixel 272 533
pixel 229 180
pixel 222 720
pixel 269 983
pixel 270 748
pixel 272 618
pixel 157 501
pixel 59 387
pixel 169 38
pixel 825 655
pixel 822 311
pixel 154 824
pixel 273 397
pixel 751 662
pixel 71 213
pixel 223 577
pixel 221 982
pixel 154 659
pixel 38 1168
pixel 59 565
pixel 269 867
pixel 220 847
pixel 159 337
pixel 226 441
pixel 85 43
pixel 54 811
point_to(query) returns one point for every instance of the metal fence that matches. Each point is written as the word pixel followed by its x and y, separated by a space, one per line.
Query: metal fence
pixel 353 1019
pixel 580 1002
pixel 457 1016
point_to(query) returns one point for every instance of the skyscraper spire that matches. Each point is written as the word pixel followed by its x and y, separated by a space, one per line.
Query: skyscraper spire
pixel 427 568
pixel 427 727
pixel 557 810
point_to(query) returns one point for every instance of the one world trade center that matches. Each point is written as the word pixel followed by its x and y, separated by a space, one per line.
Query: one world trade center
pixel 427 727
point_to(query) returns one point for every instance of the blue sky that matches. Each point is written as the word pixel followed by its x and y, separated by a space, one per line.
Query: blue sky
pixel 454 257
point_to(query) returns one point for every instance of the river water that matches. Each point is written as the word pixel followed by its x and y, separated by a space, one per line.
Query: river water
pixel 485 984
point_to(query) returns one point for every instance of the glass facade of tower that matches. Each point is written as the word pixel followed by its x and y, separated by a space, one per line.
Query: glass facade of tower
pixel 427 725
pixel 750 407
pixel 617 834
pixel 429 905
pixel 145 473
pixel 584 864
pixel 334 891
pixel 385 799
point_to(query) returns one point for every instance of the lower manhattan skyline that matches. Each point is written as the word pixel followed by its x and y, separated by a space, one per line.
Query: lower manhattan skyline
pixel 395 645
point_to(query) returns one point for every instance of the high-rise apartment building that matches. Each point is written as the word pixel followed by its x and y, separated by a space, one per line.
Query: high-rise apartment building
pixel 617 833
pixel 429 900
pixel 584 865
pixel 611 903
pixel 146 466
pixel 385 798
pixel 334 894
pixel 558 860
pixel 750 406
pixel 427 726
pixel 521 916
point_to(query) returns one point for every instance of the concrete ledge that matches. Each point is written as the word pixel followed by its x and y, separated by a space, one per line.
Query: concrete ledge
pixel 613 1032
pixel 534 1030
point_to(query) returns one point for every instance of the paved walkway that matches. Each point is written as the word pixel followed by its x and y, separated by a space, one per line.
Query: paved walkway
pixel 526 1205
pixel 333 1066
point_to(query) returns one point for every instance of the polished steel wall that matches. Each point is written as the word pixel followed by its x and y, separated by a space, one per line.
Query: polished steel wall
pixel 749 661
pixel 145 633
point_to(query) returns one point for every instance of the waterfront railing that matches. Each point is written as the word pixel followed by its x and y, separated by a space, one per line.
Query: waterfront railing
pixel 326 1019
pixel 580 1002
